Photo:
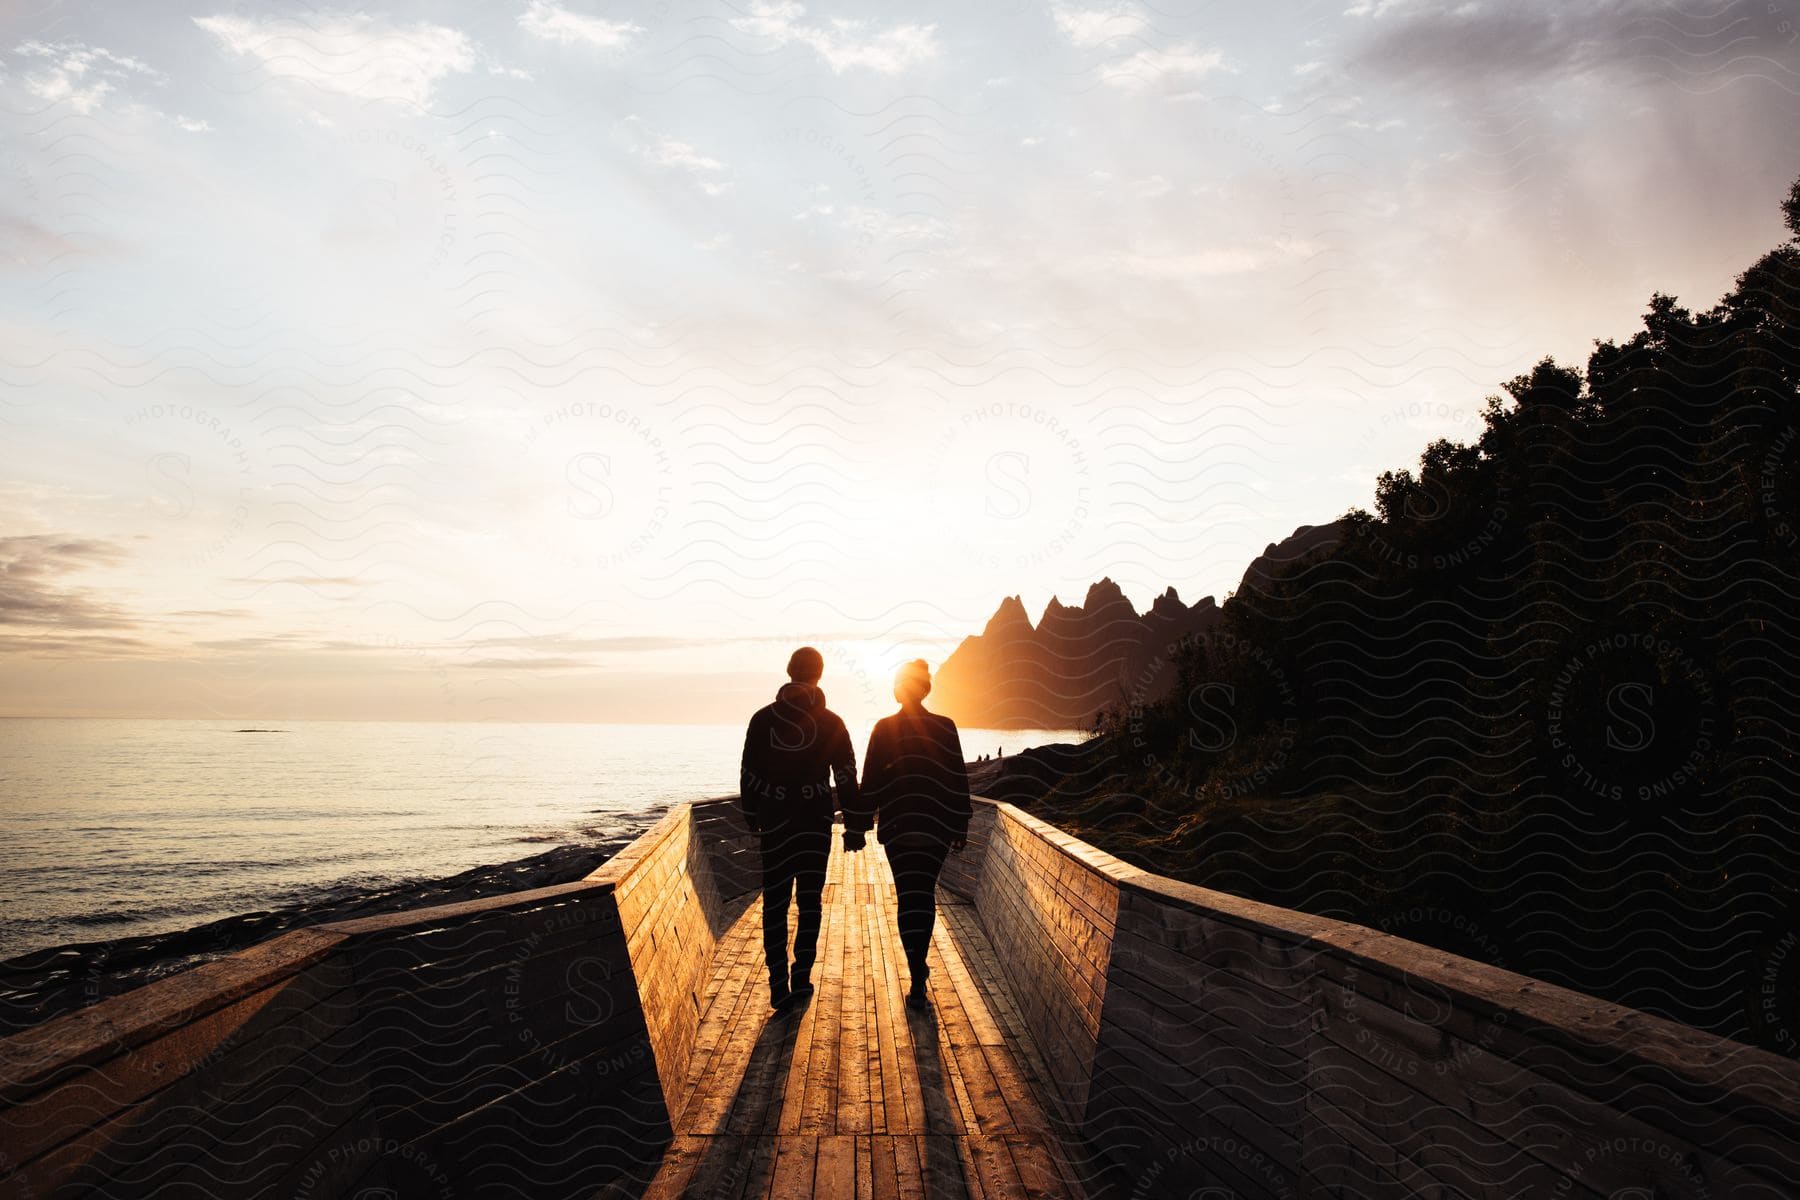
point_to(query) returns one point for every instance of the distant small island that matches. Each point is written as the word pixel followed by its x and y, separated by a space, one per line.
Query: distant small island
pixel 259 731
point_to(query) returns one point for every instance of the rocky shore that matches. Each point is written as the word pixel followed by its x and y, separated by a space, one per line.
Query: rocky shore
pixel 46 983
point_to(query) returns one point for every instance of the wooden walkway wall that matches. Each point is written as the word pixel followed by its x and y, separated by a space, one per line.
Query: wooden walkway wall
pixel 1201 1041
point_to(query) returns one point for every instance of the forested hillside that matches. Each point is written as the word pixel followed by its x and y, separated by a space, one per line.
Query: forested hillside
pixel 1542 706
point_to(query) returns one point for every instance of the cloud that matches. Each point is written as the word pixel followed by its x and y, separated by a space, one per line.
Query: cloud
pixel 25 243
pixel 251 643
pixel 308 581
pixel 76 74
pixel 1230 260
pixel 568 644
pixel 1090 27
pixel 1378 8
pixel 30 593
pixel 670 154
pixel 527 664
pixel 352 54
pixel 843 44
pixel 1473 44
pixel 1161 68
pixel 99 645
pixel 1150 189
pixel 554 23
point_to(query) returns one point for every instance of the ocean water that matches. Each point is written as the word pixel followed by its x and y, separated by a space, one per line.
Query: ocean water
pixel 130 827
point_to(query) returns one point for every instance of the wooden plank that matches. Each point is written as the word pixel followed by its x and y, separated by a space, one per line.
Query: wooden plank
pixel 884 1171
pixel 968 1121
pixel 853 1055
pixel 733 1021
pixel 835 1175
pixel 679 1161
pixel 865 1167
pixel 819 1112
pixel 1039 1175
pixel 941 1167
pixel 876 1056
pixel 985 1108
pixel 905 1106
pixel 991 1162
pixel 909 1168
pixel 728 1168
pixel 796 1160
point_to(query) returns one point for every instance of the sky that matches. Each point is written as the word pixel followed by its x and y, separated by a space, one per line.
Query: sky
pixel 530 360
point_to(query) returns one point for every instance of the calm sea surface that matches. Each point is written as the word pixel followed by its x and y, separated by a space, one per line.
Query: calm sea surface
pixel 118 828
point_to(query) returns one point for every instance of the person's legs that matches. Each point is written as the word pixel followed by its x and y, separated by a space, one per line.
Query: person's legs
pixel 777 886
pixel 916 862
pixel 812 851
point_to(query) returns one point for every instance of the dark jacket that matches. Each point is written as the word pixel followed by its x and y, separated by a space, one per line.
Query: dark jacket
pixel 914 779
pixel 791 750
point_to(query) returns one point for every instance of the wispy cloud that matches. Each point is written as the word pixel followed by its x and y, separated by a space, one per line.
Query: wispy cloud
pixel 76 74
pixel 1165 69
pixel 843 44
pixel 96 645
pixel 1470 45
pixel 1090 27
pixel 352 54
pixel 554 23
pixel 527 664
pixel 31 568
pixel 666 153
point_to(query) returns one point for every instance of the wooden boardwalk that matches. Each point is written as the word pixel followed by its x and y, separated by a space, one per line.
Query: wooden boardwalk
pixel 853 1094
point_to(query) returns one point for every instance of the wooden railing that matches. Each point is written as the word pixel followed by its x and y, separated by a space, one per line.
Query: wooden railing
pixel 508 1043
pixel 1199 1040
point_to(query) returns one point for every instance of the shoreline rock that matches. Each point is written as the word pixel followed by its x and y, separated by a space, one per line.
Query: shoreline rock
pixel 42 984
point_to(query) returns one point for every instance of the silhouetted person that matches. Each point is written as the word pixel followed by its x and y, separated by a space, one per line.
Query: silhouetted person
pixel 792 749
pixel 915 794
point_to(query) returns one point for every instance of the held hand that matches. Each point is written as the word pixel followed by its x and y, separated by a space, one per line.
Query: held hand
pixel 854 840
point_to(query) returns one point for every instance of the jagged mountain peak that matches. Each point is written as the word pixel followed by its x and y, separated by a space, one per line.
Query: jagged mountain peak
pixel 1073 662
pixel 1011 615
pixel 1106 594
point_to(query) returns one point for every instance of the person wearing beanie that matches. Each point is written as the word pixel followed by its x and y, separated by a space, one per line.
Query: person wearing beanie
pixel 792 750
pixel 915 795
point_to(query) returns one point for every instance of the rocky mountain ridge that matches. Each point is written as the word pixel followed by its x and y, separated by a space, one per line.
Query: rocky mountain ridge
pixel 1079 659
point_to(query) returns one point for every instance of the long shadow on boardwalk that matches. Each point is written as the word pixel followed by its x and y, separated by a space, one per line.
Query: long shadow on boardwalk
pixel 942 1165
